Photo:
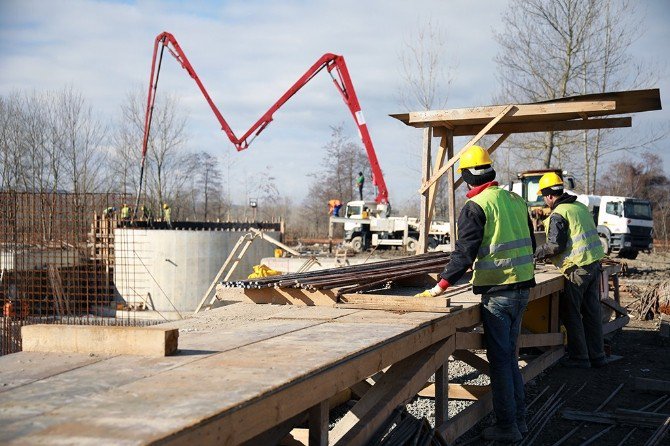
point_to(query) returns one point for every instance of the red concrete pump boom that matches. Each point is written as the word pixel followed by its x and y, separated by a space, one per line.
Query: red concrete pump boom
pixel 331 62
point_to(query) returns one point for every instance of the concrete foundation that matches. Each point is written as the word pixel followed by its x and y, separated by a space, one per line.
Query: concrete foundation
pixel 170 270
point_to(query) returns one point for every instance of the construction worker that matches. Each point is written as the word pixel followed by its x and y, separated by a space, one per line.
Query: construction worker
pixel 108 212
pixel 574 247
pixel 125 212
pixel 360 181
pixel 496 234
pixel 334 207
pixel 167 215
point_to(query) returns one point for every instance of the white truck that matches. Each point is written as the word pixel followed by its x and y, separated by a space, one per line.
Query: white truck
pixel 368 224
pixel 625 224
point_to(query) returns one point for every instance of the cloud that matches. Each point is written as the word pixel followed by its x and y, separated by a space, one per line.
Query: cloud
pixel 247 53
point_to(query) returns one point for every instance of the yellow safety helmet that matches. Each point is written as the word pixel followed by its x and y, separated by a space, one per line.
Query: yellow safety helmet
pixel 165 206
pixel 474 156
pixel 550 179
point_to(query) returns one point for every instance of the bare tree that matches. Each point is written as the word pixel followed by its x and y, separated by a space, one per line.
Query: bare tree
pixel 208 183
pixel 555 48
pixel 426 70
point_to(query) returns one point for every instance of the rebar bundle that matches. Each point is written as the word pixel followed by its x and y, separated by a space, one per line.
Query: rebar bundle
pixel 354 278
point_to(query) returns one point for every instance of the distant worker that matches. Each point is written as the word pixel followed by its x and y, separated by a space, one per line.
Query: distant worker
pixel 108 212
pixel 496 234
pixel 167 215
pixel 574 247
pixel 360 181
pixel 147 214
pixel 125 212
pixel 334 207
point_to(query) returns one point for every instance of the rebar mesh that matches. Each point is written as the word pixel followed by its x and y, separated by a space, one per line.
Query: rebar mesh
pixel 57 262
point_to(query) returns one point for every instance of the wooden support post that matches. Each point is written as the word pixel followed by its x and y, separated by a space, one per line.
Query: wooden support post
pixel 318 424
pixel 425 216
pixel 442 394
pixel 554 322
pixel 473 360
pixel 451 190
pixel 439 160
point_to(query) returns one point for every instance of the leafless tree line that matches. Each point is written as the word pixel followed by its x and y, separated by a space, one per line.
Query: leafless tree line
pixel 555 48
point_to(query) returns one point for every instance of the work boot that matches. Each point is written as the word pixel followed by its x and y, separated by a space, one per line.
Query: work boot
pixel 522 426
pixel 496 432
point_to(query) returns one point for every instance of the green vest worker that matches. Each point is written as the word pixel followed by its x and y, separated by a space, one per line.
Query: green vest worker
pixel 496 234
pixel 574 247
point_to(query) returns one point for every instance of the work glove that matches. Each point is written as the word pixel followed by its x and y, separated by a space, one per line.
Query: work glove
pixel 577 276
pixel 438 289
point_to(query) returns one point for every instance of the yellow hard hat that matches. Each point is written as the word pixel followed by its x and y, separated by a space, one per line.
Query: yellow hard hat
pixel 549 179
pixel 474 156
pixel 165 206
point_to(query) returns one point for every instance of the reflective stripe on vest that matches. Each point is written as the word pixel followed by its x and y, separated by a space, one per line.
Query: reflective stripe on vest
pixel 506 253
pixel 584 245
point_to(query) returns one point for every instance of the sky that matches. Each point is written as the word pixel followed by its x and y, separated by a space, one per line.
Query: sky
pixel 248 53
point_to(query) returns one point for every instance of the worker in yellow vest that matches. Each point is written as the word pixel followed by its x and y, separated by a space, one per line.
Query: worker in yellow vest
pixel 167 215
pixel 495 234
pixel 574 247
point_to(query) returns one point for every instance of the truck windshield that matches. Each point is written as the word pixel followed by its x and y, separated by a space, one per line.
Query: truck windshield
pixel 637 209
pixel 354 210
pixel 532 186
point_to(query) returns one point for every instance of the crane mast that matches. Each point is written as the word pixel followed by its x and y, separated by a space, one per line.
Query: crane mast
pixel 334 64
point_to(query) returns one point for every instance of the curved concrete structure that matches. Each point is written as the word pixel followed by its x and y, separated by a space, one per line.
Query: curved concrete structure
pixel 170 270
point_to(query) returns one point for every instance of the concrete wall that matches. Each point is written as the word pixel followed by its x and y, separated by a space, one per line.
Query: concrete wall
pixel 171 269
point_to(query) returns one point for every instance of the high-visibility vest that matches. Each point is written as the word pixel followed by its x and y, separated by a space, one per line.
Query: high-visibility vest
pixel 584 245
pixel 506 253
pixel 125 212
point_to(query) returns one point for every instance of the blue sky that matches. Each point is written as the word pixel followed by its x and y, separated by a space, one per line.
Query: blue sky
pixel 248 53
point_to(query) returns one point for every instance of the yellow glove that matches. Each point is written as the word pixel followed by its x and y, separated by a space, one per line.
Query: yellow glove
pixel 433 292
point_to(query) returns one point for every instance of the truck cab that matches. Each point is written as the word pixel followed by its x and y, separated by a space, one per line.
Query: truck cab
pixel 624 224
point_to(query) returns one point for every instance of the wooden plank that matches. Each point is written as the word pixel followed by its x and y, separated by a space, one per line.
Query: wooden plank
pixel 99 340
pixel 541 126
pixel 537 111
pixel 399 384
pixel 473 360
pixel 475 341
pixel 504 111
pixel 397 307
pixel 453 234
pixel 439 160
pixel 466 392
pixel 652 385
pixel 615 324
pixel 419 302
pixel 278 296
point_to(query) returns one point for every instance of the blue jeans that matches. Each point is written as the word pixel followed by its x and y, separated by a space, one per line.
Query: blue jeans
pixel 501 313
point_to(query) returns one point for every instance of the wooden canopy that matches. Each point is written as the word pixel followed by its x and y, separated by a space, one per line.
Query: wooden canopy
pixel 584 112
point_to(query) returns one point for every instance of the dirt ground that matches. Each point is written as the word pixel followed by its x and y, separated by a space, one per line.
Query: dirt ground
pixel 644 354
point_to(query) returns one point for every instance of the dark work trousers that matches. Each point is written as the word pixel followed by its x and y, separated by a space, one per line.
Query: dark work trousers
pixel 581 316
pixel 360 191
pixel 502 312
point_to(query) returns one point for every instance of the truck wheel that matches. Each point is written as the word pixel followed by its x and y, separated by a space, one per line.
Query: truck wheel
pixel 606 244
pixel 412 244
pixel 357 244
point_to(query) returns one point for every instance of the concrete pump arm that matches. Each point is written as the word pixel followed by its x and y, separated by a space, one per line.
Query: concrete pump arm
pixel 331 62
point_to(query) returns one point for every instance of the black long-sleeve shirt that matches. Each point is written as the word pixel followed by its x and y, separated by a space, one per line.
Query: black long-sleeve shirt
pixel 471 222
pixel 559 232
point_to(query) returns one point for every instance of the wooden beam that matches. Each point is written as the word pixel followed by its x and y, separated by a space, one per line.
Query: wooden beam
pixel 504 112
pixel 400 383
pixel 491 149
pixel 424 211
pixel 293 296
pixel 439 160
pixel 540 126
pixel 475 341
pixel 99 340
pixel 318 424
pixel 452 194
pixel 441 388
pixel 466 392
pixel 522 112
pixel 652 385
pixel 473 360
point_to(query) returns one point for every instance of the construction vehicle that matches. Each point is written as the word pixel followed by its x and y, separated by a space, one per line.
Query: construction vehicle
pixel 368 224
pixel 624 224
pixel 331 62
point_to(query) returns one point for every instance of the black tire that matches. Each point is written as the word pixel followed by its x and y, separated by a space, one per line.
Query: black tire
pixel 356 244
pixel 412 244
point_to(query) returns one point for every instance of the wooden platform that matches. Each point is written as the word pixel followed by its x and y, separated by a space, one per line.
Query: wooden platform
pixel 228 386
